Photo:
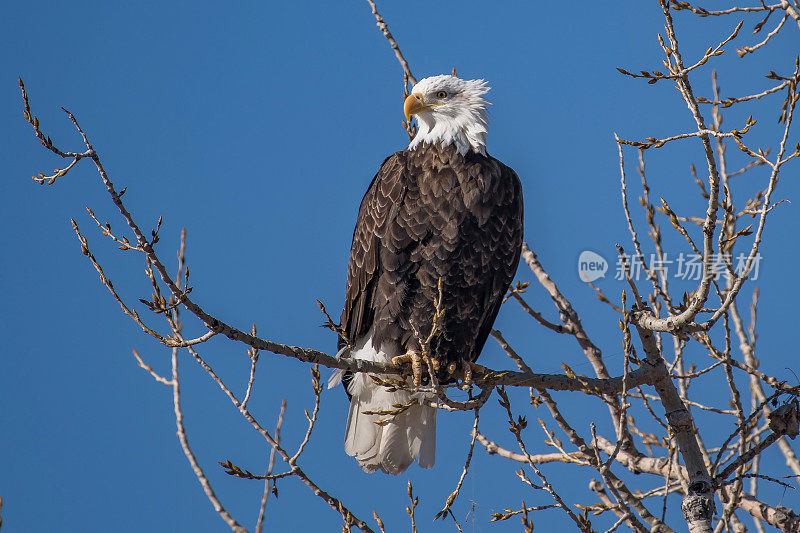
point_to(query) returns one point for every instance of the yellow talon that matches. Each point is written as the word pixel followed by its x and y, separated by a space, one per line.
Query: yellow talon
pixel 419 367
pixel 473 369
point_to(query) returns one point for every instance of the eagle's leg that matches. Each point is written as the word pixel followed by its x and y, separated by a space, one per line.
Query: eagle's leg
pixel 419 367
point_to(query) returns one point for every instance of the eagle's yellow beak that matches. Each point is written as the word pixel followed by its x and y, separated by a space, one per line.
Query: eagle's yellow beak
pixel 413 105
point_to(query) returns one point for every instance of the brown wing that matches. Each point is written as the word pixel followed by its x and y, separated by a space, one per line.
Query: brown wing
pixel 504 245
pixel 378 207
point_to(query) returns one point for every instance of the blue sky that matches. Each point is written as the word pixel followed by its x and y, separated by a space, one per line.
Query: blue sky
pixel 258 126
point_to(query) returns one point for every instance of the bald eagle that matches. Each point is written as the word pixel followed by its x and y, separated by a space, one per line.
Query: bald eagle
pixel 442 209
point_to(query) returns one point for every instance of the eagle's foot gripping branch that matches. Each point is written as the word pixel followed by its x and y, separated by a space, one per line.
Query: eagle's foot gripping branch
pixel 419 368
pixel 473 370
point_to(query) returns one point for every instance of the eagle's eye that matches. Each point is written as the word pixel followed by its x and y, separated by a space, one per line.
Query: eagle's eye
pixel 441 94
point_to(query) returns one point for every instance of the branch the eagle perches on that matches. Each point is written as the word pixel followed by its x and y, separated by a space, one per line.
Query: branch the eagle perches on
pixel 701 476
pixel 647 374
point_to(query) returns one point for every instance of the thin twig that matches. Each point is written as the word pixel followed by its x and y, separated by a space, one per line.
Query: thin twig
pixel 270 466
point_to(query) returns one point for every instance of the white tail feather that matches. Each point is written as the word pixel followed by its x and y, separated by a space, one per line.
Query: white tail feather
pixel 336 376
pixel 391 446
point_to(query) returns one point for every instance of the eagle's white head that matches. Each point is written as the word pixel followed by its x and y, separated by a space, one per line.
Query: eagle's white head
pixel 449 110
